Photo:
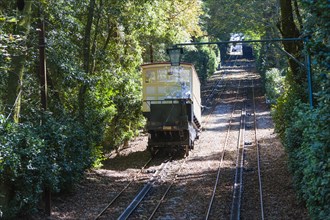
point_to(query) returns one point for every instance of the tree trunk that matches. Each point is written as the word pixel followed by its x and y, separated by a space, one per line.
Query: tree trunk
pixel 289 30
pixel 86 59
pixel 96 34
pixel 14 83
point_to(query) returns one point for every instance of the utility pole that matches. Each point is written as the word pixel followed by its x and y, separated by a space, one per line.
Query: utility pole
pixel 43 96
pixel 42 66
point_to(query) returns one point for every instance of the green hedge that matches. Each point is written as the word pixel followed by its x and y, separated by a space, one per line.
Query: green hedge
pixel 274 84
pixel 204 60
pixel 305 134
pixel 34 156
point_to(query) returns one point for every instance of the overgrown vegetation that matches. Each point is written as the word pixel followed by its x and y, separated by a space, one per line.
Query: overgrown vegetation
pixel 274 84
pixel 305 132
pixel 34 156
pixel 205 60
pixel 93 52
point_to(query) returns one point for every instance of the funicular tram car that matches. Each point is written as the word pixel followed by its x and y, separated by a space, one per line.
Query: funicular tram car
pixel 171 105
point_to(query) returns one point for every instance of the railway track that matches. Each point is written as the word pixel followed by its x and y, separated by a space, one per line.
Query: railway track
pixel 115 202
pixel 233 154
pixel 150 202
pixel 221 159
pixel 253 176
pixel 238 182
pixel 241 125
pixel 247 121
pixel 149 189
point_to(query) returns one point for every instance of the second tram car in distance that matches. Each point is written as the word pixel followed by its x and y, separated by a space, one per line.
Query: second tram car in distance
pixel 171 105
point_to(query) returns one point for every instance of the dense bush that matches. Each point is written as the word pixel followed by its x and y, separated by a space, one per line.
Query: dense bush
pixel 24 167
pixel 306 139
pixel 204 60
pixel 315 162
pixel 127 118
pixel 33 157
pixel 305 134
pixel 274 84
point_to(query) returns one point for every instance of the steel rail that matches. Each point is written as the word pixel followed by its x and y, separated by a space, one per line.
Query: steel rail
pixel 136 201
pixel 222 157
pixel 121 192
pixel 258 156
pixel 142 194
pixel 238 184
pixel 167 190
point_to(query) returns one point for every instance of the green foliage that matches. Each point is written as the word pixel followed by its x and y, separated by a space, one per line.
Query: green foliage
pixel 305 134
pixel 127 118
pixel 313 177
pixel 269 56
pixel 23 166
pixel 97 153
pixel 282 111
pixel 318 29
pixel 32 157
pixel 274 84
pixel 204 59
pixel 70 145
pixel 223 17
pixel 307 142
